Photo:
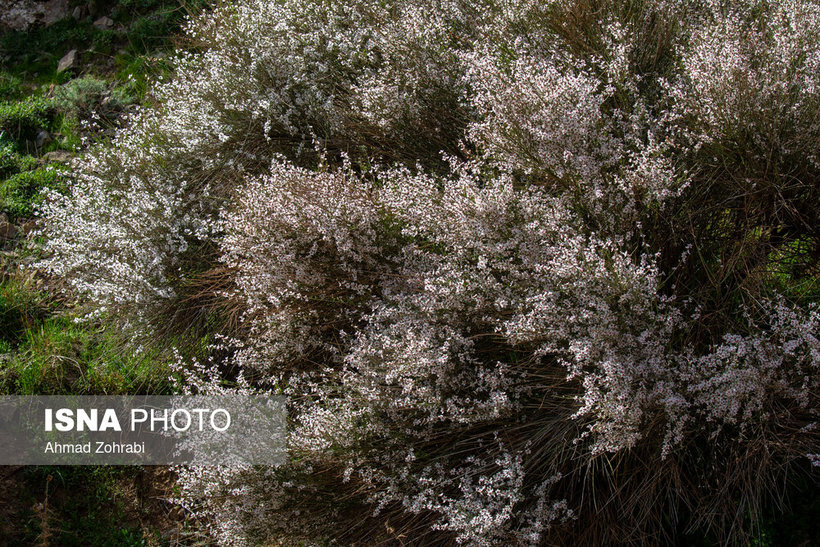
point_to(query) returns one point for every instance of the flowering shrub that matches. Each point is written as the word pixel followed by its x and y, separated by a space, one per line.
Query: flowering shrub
pixel 528 272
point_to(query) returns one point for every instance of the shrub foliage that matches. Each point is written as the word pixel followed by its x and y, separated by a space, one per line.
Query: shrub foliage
pixel 531 272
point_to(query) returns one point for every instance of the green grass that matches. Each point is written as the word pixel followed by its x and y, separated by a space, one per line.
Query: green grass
pixel 78 506
pixel 59 356
pixel 12 163
pixel 42 349
pixel 10 86
pixel 21 307
pixel 37 51
pixel 21 193
pixel 790 272
pixel 20 120
pixel 116 65
pixel 137 71
pixel 46 352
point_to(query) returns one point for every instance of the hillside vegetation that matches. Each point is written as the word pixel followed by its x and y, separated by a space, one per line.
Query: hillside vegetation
pixel 529 272
pixel 47 117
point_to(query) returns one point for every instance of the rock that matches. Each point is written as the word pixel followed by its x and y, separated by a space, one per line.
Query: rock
pixel 61 156
pixel 67 61
pixel 42 138
pixel 24 14
pixel 3 218
pixel 103 23
pixel 78 13
pixel 17 15
pixel 7 230
pixel 54 10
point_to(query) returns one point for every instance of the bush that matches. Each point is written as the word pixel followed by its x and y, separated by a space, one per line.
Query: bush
pixel 80 95
pixel 81 98
pixel 21 120
pixel 20 193
pixel 514 265
pixel 12 163
pixel 9 86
